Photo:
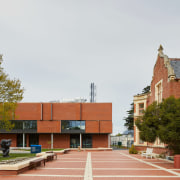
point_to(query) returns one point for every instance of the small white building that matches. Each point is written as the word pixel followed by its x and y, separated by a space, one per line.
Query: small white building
pixel 126 139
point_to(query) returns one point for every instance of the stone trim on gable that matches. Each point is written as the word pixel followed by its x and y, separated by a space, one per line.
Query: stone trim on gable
pixel 171 74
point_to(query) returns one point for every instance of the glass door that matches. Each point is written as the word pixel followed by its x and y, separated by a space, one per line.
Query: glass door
pixel 74 140
pixel 20 140
pixel 87 141
pixel 33 139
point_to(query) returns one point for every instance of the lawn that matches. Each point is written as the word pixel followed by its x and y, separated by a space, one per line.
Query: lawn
pixel 15 155
pixel 44 150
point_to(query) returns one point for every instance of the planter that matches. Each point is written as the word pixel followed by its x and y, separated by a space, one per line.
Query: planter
pixel 177 161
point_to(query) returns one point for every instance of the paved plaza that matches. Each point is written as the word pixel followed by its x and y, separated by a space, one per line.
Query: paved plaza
pixel 103 165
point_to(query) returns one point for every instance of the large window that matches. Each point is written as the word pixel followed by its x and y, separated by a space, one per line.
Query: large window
pixel 141 108
pixel 22 126
pixel 158 91
pixel 18 125
pixel 30 125
pixel 72 126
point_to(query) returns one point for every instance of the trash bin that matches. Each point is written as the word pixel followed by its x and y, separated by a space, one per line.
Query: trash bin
pixel 177 161
pixel 35 148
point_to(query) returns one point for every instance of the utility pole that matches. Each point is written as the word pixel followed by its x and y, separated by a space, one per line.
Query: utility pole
pixel 93 93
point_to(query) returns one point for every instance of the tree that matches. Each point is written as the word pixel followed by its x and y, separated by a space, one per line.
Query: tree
pixel 169 123
pixel 119 134
pixel 10 93
pixel 130 118
pixel 162 121
pixel 146 89
pixel 148 123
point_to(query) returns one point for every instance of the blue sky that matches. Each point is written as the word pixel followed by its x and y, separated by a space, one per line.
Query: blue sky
pixel 58 47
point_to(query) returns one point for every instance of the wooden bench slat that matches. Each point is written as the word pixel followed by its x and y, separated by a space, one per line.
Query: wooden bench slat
pixel 36 162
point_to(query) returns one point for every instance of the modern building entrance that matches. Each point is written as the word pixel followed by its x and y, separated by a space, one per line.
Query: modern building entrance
pixel 33 139
pixel 20 140
pixel 74 140
pixel 86 140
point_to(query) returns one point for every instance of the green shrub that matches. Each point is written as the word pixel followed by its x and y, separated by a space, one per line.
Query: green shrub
pixel 162 155
pixel 132 150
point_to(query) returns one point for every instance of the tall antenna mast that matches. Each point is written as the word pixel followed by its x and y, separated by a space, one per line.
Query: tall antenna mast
pixel 93 93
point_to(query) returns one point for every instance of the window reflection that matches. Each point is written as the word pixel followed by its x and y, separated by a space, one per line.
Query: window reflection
pixel 24 125
pixel 72 125
pixel 83 125
pixel 78 124
pixel 30 125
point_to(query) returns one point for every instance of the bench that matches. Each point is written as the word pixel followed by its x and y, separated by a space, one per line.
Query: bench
pixel 66 151
pixel 148 153
pixel 51 156
pixel 37 162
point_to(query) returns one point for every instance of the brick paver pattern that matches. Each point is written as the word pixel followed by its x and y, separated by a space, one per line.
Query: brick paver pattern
pixel 102 165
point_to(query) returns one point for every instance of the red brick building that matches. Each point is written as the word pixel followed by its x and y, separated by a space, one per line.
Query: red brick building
pixel 165 83
pixel 61 125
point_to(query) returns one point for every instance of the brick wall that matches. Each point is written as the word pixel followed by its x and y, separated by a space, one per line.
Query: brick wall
pixel 98 126
pixel 45 140
pixel 47 109
pixel 61 141
pixel 28 111
pixel 66 111
pixel 48 126
pixel 134 108
pixel 175 89
pixel 134 133
pixel 13 137
pixel 98 117
pixel 105 126
pixel 92 126
pixel 169 87
pixel 99 113
pixel 27 140
pixel 96 111
pixel 100 140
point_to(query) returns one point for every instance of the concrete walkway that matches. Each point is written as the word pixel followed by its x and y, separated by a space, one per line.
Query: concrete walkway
pixel 103 165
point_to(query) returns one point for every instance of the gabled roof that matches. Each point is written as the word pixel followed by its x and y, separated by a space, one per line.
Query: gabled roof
pixel 175 63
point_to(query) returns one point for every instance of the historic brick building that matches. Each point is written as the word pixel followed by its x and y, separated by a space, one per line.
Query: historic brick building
pixel 165 82
pixel 61 125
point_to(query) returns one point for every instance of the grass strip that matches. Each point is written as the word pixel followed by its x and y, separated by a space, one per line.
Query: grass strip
pixel 16 155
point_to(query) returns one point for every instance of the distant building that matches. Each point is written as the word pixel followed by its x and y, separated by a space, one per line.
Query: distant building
pixel 61 125
pixel 165 82
pixel 126 139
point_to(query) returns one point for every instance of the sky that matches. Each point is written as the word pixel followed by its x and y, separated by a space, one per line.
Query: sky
pixel 58 47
